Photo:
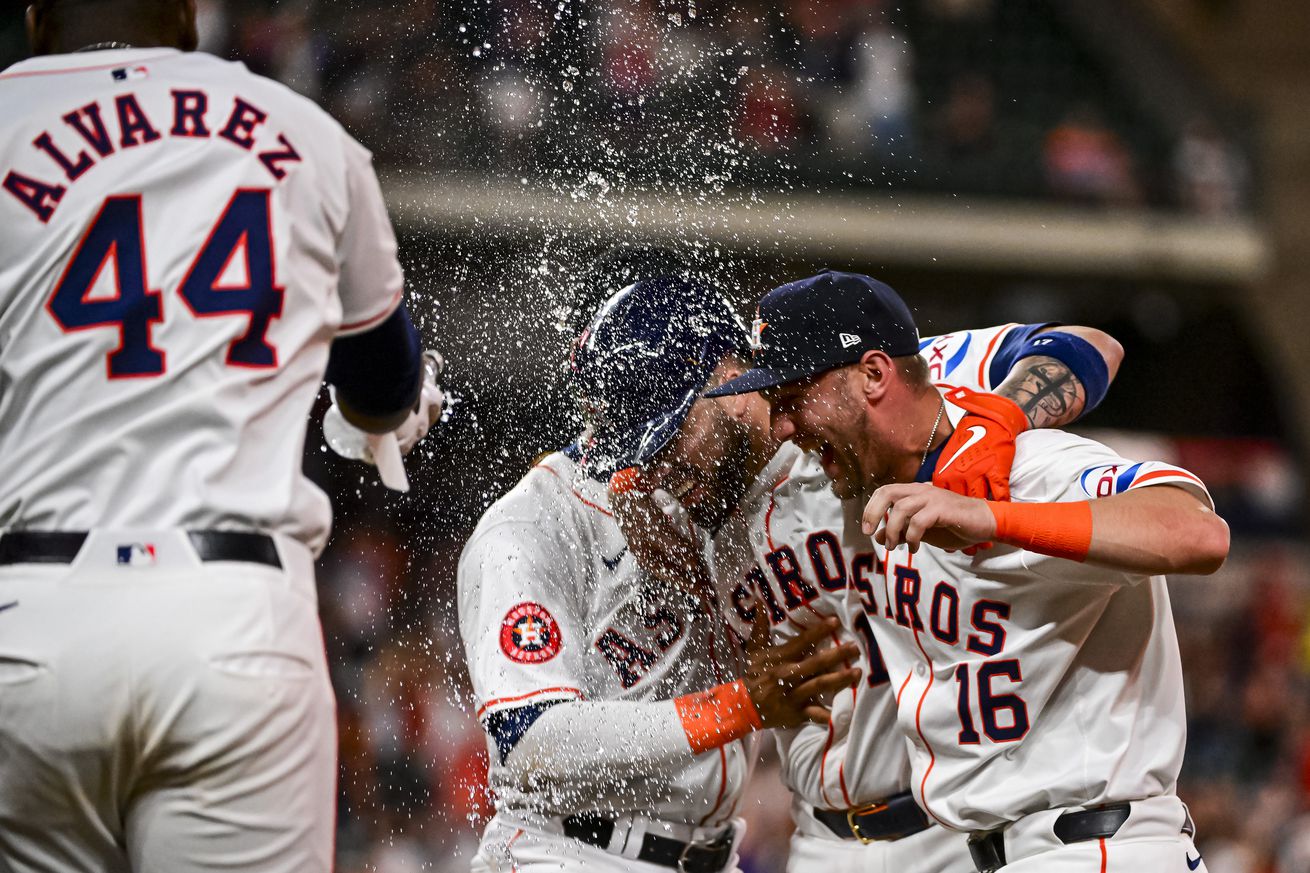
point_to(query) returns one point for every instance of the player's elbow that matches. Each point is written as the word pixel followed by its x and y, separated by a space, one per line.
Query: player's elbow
pixel 1203 548
pixel 1111 350
pixel 1107 346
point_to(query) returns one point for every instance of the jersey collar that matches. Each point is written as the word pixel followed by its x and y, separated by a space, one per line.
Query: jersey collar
pixel 953 415
pixel 778 468
pixel 78 61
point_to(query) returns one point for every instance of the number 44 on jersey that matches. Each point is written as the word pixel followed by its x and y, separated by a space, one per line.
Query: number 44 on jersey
pixel 116 241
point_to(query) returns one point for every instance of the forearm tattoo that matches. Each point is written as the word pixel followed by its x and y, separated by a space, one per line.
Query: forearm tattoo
pixel 1046 391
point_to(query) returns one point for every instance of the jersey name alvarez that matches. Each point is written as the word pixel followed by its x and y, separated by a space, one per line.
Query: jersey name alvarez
pixel 95 132
pixel 554 608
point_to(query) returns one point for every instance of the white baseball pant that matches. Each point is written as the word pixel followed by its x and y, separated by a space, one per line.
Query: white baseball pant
pixel 935 850
pixel 511 847
pixel 164 715
pixel 1150 840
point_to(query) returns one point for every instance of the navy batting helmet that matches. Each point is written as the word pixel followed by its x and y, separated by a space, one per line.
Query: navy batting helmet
pixel 642 362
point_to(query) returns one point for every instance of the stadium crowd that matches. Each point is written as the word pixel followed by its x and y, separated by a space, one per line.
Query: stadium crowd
pixel 960 96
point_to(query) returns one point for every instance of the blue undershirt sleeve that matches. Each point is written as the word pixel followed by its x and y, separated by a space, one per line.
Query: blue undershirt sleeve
pixel 508 726
pixel 379 372
pixel 1008 353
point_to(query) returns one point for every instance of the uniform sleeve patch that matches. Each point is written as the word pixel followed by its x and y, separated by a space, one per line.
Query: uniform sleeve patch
pixel 1111 479
pixel 529 634
pixel 1108 479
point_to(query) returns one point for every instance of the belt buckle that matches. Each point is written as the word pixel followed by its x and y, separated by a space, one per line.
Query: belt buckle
pixel 867 809
pixel 722 840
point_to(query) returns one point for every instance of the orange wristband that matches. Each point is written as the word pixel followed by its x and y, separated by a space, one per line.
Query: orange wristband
pixel 1061 530
pixel 625 480
pixel 716 717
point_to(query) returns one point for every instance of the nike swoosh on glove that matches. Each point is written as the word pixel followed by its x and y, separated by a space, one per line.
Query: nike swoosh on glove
pixel 977 458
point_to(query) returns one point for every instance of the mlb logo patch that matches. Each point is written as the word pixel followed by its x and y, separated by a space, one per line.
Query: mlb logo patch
pixel 129 74
pixel 136 555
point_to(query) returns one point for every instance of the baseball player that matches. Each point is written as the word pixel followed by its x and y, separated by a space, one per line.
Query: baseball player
pixel 183 243
pixel 850 785
pixel 616 710
pixel 1029 644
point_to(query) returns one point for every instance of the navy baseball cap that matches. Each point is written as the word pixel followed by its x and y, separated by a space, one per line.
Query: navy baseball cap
pixel 816 324
pixel 643 361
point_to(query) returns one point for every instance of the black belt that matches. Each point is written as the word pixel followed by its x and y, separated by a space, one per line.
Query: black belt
pixel 892 819
pixel 988 847
pixel 61 547
pixel 666 852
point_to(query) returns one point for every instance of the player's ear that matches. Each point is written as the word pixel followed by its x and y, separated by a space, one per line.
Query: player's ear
pixel 188 36
pixel 729 368
pixel 37 38
pixel 875 369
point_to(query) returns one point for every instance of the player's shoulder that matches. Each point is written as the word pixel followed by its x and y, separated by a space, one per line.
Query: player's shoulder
pixel 802 466
pixel 954 357
pixel 1044 447
pixel 544 503
pixel 274 96
pixel 545 483
pixel 778 475
pixel 804 484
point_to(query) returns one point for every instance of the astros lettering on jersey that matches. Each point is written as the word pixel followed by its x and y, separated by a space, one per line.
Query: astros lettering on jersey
pixel 801 568
pixel 998 661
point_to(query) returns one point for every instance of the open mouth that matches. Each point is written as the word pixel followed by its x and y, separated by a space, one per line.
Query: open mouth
pixel 682 489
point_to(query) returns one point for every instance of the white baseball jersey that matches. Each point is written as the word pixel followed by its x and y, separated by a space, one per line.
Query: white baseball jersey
pixel 1026 682
pixel 183 240
pixel 553 607
pixel 800 569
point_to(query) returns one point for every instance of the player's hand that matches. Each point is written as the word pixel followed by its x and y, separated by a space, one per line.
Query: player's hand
pixel 921 513
pixel 791 683
pixel 351 442
pixel 431 403
pixel 666 550
pixel 977 458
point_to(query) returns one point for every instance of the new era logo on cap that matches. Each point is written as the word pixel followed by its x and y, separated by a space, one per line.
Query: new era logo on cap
pixel 804 317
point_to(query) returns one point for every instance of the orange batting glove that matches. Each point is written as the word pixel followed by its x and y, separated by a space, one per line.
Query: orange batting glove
pixel 976 460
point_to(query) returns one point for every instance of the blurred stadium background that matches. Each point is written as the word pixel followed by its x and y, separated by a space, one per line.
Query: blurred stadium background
pixel 1138 165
